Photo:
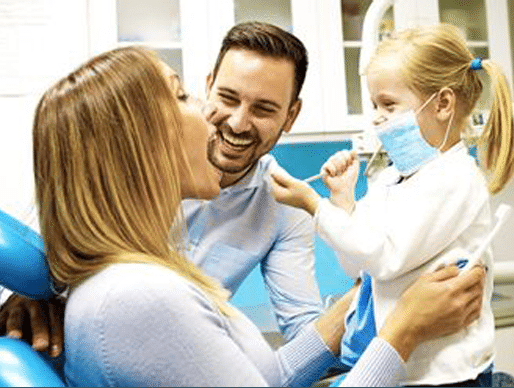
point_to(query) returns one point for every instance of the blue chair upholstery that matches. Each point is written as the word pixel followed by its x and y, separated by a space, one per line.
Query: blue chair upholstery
pixel 21 366
pixel 23 267
pixel 24 270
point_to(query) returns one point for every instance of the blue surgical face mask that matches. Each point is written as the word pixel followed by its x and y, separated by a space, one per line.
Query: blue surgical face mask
pixel 401 138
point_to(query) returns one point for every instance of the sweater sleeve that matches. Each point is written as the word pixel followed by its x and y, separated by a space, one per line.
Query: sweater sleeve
pixel 379 366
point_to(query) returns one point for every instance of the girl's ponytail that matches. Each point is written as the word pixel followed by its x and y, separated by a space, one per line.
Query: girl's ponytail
pixel 496 144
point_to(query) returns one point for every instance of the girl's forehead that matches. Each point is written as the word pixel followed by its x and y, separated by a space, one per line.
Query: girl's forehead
pixel 388 63
pixel 386 77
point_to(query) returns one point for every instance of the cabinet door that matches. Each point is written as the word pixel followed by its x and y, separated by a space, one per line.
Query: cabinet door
pixel 178 30
pixel 484 23
pixel 318 27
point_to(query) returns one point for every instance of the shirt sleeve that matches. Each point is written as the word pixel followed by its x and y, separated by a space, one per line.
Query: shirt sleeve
pixel 379 366
pixel 289 272
pixel 396 228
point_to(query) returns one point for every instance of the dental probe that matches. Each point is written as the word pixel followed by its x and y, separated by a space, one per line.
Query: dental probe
pixel 313 178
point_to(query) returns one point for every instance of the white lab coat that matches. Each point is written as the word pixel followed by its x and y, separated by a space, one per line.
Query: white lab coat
pixel 399 231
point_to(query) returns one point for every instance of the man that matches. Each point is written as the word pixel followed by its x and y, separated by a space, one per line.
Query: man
pixel 255 87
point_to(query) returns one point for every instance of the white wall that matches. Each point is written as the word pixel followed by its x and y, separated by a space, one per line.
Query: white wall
pixel 504 359
pixel 503 246
pixel 40 41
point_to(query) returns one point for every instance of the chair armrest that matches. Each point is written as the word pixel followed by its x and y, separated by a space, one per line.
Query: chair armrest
pixel 21 366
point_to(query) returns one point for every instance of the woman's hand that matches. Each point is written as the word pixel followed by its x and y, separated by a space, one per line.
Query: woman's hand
pixel 294 192
pixel 435 305
pixel 340 173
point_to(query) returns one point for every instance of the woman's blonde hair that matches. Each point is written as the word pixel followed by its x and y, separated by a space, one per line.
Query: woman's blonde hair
pixel 108 156
pixel 435 57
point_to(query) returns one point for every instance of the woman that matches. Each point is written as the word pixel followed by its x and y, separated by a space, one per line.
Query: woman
pixel 117 145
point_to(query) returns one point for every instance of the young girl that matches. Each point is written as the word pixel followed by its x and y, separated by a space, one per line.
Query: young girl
pixel 429 206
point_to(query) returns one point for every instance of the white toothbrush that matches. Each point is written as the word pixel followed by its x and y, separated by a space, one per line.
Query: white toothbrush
pixel 502 214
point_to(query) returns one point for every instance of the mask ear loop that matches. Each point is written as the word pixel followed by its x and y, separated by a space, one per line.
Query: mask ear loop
pixel 447 133
pixel 425 103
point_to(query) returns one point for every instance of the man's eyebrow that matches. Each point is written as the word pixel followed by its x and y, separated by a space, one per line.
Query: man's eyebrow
pixel 261 101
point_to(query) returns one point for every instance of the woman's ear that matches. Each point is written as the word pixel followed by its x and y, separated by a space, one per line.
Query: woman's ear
pixel 446 104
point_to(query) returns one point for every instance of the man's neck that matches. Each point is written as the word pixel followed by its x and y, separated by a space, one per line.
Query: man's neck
pixel 230 179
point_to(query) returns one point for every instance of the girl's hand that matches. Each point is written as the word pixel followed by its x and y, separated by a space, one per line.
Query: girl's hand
pixel 340 174
pixel 293 192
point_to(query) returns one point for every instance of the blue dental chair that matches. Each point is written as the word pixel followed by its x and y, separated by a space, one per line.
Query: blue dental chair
pixel 23 270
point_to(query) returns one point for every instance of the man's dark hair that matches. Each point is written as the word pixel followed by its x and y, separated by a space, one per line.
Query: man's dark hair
pixel 268 40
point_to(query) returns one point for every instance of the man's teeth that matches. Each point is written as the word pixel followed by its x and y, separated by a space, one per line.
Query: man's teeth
pixel 237 141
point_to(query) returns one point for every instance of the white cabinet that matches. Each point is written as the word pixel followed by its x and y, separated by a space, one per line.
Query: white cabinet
pixel 187 34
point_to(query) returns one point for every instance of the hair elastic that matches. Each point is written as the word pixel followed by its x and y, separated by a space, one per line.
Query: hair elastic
pixel 476 64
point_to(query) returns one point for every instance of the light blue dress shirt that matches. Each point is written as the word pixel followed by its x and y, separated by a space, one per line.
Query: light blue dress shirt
pixel 243 227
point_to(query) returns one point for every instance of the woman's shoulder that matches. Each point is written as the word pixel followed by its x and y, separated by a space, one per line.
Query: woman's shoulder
pixel 138 285
pixel 132 312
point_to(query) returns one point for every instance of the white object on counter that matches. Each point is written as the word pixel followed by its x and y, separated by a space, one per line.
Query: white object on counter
pixel 504 272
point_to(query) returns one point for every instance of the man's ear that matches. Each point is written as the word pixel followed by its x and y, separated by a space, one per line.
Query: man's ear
pixel 446 104
pixel 292 114
pixel 209 81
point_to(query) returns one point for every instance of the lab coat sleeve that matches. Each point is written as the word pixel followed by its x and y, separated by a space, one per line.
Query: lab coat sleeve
pixel 289 272
pixel 396 228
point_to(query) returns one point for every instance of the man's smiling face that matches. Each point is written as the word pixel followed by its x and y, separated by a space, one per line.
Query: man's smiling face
pixel 253 93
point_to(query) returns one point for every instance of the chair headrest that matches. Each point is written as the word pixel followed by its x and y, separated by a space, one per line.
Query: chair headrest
pixel 23 265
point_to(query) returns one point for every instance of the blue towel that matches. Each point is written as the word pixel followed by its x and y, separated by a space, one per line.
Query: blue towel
pixel 360 327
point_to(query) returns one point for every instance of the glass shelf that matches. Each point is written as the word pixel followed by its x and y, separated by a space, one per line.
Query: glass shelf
pixel 353 12
pixel 469 15
pixel 276 12
pixel 149 20
pixel 154 24
pixel 154 44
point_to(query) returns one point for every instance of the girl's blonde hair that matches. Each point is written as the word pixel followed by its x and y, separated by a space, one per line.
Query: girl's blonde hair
pixel 108 155
pixel 436 57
